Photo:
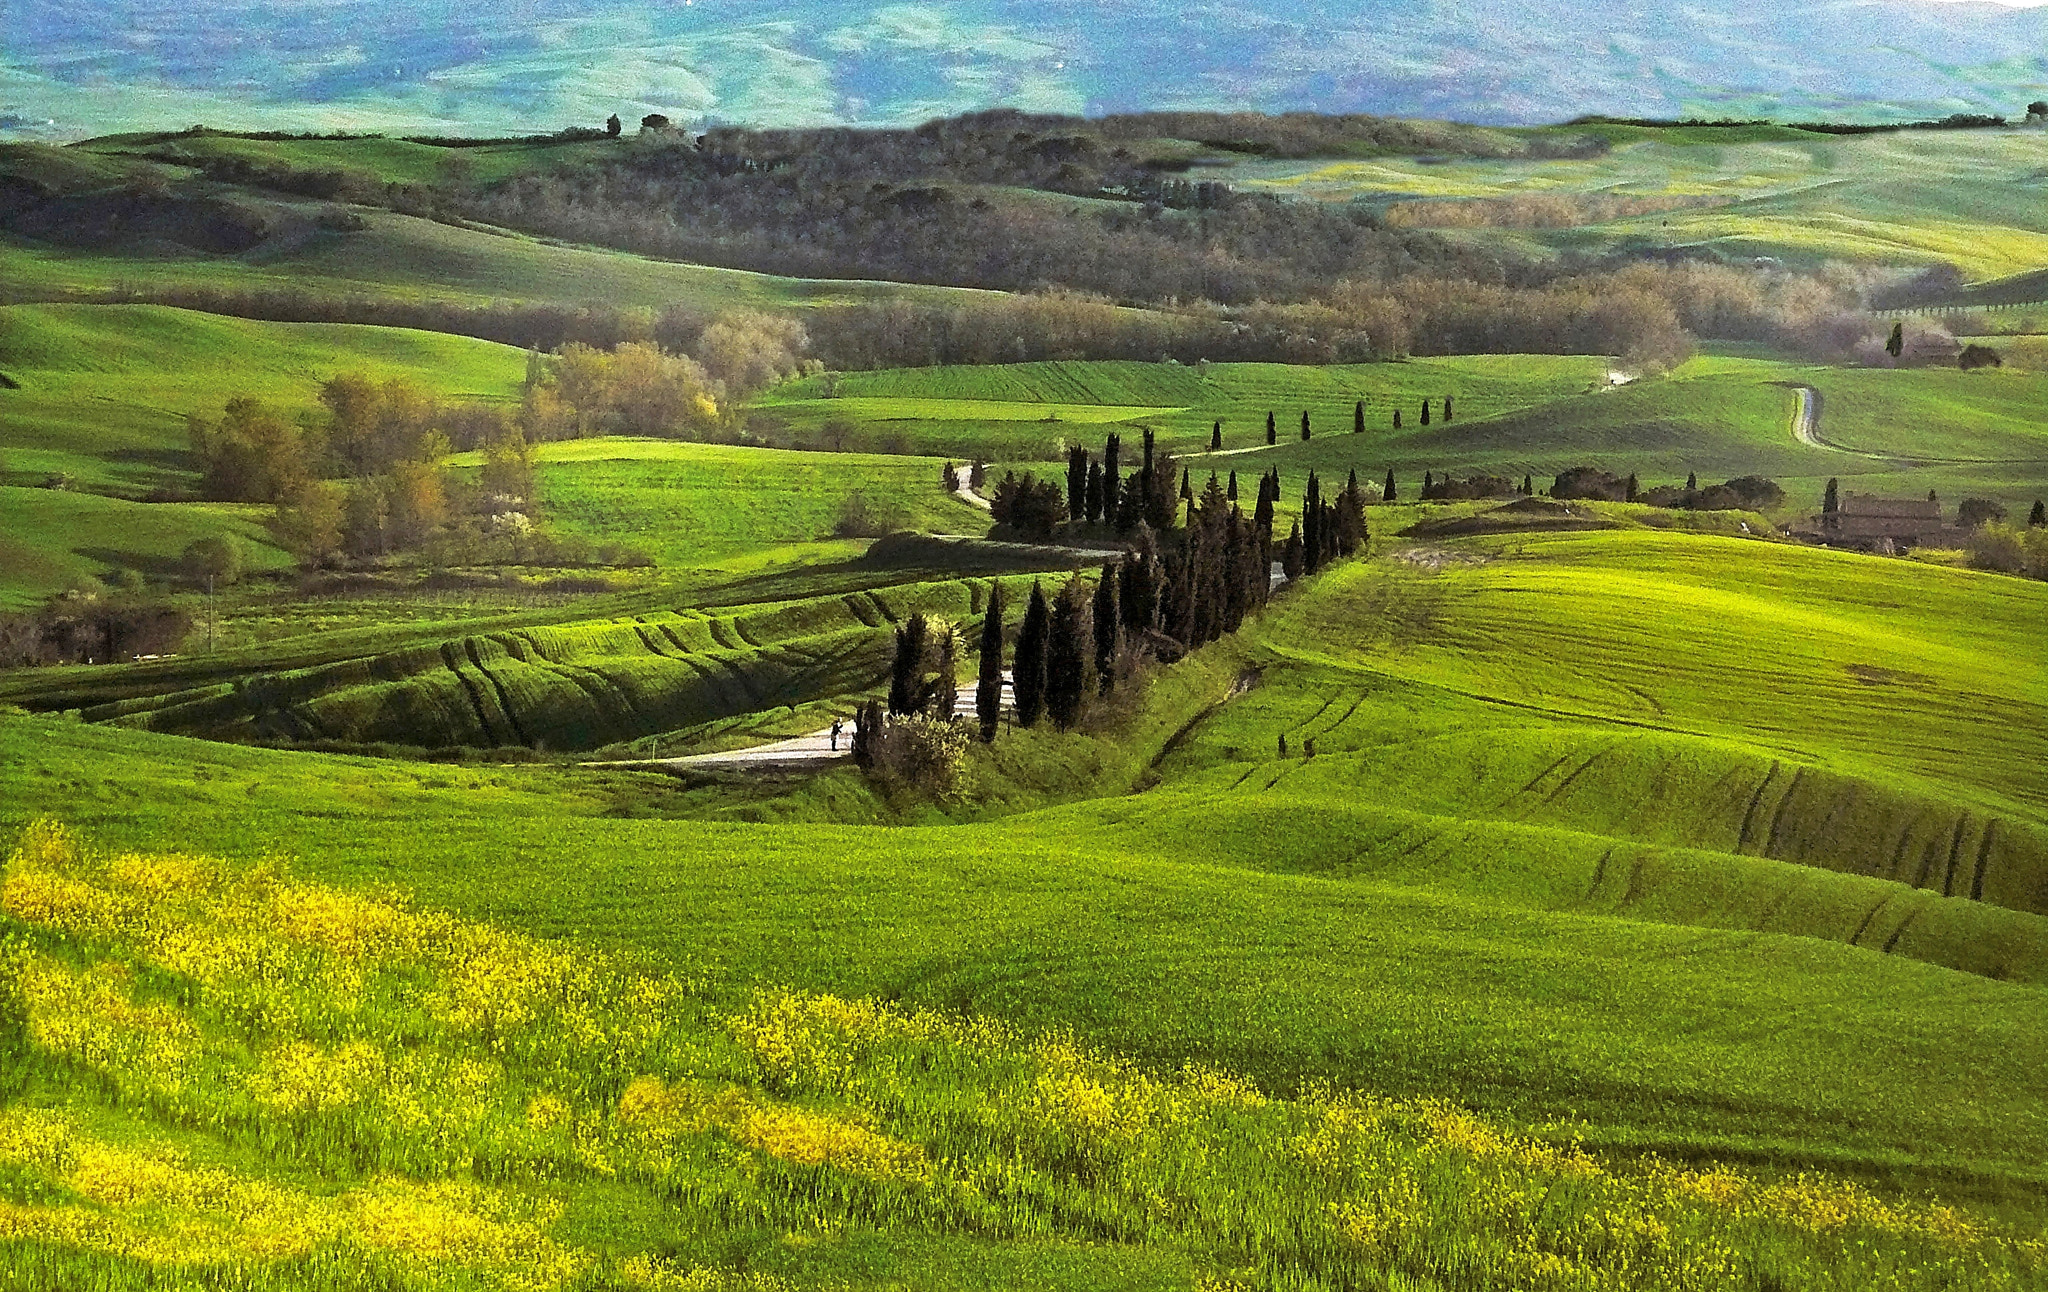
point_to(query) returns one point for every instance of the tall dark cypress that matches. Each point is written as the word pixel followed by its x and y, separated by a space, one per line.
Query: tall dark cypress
pixel 1094 492
pixel 988 685
pixel 1304 423
pixel 1187 485
pixel 1077 482
pixel 1634 489
pixel 1358 418
pixel 1425 412
pixel 1528 486
pixel 1230 491
pixel 1109 626
pixel 1069 653
pixel 1027 674
pixel 1692 483
pixel 1112 479
pixel 1216 437
pixel 1831 500
pixel 945 688
pixel 906 675
pixel 1397 419
pixel 1428 486
pixel 1387 492
pixel 1272 436
pixel 1262 514
pixel 1447 408
pixel 1312 525
pixel 1139 588
pixel 1148 450
pixel 2038 516
pixel 1290 559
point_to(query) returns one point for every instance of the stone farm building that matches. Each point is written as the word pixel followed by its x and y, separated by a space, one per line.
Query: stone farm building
pixel 1868 521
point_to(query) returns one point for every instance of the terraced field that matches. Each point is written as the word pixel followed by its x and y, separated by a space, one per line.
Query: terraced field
pixel 570 686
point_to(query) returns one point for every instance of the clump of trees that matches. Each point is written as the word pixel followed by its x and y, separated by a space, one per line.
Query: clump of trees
pixel 91 631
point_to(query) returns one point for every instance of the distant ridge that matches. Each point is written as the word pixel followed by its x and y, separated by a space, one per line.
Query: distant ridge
pixel 69 71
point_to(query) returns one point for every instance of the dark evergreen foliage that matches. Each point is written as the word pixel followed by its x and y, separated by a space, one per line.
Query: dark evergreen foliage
pixel 1304 424
pixel 1387 491
pixel 2037 517
pixel 1107 616
pixel 1069 656
pixel 1028 673
pixel 1830 501
pixel 1077 481
pixel 1358 418
pixel 906 674
pixel 1425 412
pixel 1290 559
pixel 1216 437
pixel 1094 501
pixel 1272 436
pixel 988 686
pixel 1447 408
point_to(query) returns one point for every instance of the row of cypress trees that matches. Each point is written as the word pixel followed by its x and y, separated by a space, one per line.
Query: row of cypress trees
pixel 1100 493
pixel 1357 423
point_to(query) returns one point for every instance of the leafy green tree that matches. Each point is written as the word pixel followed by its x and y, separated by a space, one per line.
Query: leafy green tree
pixel 215 559
pixel 1028 673
pixel 312 524
pixel 613 126
pixel 988 686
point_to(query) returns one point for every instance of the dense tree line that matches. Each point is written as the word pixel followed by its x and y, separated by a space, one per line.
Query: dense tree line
pixel 90 632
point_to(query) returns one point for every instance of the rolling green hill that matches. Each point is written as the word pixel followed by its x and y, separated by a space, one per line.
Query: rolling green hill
pixel 1657 792
pixel 103 390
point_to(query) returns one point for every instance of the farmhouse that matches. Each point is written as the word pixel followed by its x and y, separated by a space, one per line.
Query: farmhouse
pixel 1869 521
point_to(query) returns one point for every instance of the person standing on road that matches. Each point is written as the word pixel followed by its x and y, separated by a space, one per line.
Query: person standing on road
pixel 837 727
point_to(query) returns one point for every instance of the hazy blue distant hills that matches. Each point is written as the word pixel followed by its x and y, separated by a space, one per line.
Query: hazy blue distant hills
pixel 68 69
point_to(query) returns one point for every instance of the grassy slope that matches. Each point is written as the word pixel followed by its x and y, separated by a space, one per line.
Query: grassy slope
pixel 918 409
pixel 1294 931
pixel 694 503
pixel 1721 416
pixel 1912 197
pixel 52 539
pixel 105 389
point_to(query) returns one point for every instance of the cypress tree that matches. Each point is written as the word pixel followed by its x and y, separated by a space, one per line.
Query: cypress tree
pixel 1275 473
pixel 1528 487
pixel 988 686
pixel 1387 492
pixel 1187 487
pixel 1425 412
pixel 1077 482
pixel 1831 500
pixel 1216 437
pixel 1397 419
pixel 1109 626
pixel 1094 492
pixel 1069 651
pixel 1447 408
pixel 1112 477
pixel 1428 486
pixel 1634 490
pixel 1358 418
pixel 1304 424
pixel 1290 557
pixel 1027 675
pixel 1230 491
pixel 945 697
pixel 2037 517
pixel 1272 437
pixel 1692 483
pixel 1896 342
pixel 1262 514
pixel 1312 524
pixel 867 728
pixel 1138 589
pixel 906 674
pixel 1148 450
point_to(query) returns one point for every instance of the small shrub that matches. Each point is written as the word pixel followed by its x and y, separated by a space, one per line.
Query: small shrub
pixel 1975 513
pixel 926 754
pixel 218 558
pixel 858 520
